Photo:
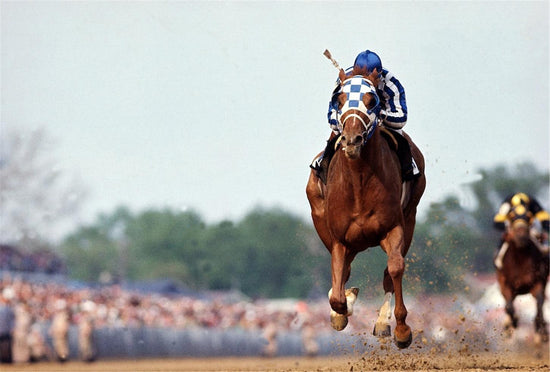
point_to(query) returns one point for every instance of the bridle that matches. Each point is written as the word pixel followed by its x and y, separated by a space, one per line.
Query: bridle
pixel 355 88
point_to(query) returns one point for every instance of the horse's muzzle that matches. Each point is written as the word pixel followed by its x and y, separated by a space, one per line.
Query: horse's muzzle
pixel 352 147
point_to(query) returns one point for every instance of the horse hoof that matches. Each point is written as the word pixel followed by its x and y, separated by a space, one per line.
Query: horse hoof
pixel 381 331
pixel 402 336
pixel 338 321
pixel 404 344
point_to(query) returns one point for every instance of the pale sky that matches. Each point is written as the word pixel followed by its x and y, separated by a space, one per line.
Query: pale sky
pixel 221 106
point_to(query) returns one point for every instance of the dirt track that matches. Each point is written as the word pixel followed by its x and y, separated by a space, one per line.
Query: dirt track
pixel 390 361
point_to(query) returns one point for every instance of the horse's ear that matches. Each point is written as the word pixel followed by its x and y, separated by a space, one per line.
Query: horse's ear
pixel 369 100
pixel 342 75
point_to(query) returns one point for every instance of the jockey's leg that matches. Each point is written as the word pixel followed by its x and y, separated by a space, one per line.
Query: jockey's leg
pixel 409 169
pixel 538 237
pixel 500 255
pixel 320 165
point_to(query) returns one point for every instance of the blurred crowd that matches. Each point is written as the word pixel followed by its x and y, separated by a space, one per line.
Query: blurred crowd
pixel 47 262
pixel 40 305
pixel 37 305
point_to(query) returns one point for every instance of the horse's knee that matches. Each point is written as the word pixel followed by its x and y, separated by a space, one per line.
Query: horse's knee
pixel 396 265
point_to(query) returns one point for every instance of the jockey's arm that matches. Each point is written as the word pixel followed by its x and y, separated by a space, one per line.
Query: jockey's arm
pixel 539 213
pixel 394 103
pixel 544 218
pixel 499 220
pixel 332 117
pixel 393 120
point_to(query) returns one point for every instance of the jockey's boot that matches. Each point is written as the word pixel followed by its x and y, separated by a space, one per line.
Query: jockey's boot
pixel 409 170
pixel 320 165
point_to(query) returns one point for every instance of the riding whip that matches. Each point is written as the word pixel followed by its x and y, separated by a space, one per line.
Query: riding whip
pixel 329 56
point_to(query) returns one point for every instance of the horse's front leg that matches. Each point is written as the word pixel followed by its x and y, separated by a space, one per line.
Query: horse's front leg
pixel 341 300
pixel 511 321
pixel 541 330
pixel 393 245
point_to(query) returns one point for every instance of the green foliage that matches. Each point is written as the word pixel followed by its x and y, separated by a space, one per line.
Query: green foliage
pixel 276 256
pixel 441 250
pixel 264 255
pixel 89 253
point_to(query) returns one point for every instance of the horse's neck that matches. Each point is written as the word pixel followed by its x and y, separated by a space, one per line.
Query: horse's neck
pixel 375 157
pixel 375 163
pixel 516 248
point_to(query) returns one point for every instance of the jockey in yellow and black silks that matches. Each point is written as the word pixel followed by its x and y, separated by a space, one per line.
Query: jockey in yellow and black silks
pixel 539 223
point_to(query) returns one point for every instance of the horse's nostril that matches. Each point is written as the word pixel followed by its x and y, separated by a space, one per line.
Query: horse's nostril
pixel 343 138
pixel 358 139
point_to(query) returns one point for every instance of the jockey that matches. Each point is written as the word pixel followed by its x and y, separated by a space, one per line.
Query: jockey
pixel 393 110
pixel 539 223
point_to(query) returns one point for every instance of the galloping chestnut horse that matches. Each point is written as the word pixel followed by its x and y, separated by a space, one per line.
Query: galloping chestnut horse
pixel 365 204
pixel 524 270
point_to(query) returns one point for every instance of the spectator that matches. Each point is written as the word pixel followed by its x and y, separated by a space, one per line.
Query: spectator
pixel 7 324
pixel 59 331
pixel 85 332
pixel 39 351
pixel 270 334
pixel 21 350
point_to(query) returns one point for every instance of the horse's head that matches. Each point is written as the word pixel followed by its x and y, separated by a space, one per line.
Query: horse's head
pixel 359 106
pixel 519 228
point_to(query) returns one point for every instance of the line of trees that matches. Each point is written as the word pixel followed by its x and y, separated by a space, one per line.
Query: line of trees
pixel 269 253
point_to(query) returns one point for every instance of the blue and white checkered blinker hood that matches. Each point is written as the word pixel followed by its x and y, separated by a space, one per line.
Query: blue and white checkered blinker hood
pixel 355 88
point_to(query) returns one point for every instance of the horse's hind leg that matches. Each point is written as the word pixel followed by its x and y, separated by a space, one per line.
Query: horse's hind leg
pixel 541 329
pixel 393 245
pixel 382 327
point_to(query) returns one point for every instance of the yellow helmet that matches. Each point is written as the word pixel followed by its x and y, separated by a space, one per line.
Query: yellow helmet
pixel 520 210
pixel 519 199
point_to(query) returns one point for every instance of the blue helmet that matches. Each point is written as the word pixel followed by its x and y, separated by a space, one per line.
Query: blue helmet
pixel 368 59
